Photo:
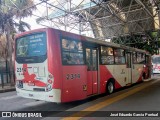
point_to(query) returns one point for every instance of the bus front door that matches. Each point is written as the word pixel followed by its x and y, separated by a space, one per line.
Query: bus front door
pixel 129 68
pixel 92 70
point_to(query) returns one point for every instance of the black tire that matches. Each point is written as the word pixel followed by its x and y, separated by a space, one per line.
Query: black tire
pixel 110 87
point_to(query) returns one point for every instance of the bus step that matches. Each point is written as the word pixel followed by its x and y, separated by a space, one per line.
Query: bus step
pixel 129 84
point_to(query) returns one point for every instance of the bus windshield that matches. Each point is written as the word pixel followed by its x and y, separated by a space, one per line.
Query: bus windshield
pixel 155 60
pixel 31 45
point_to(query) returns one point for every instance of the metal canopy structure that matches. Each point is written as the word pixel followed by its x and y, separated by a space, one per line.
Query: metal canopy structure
pixel 105 18
pixel 128 22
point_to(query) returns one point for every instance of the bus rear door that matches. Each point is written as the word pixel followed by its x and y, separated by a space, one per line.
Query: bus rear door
pixel 136 68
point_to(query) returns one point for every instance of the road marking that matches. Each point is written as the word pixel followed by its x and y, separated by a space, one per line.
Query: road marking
pixel 35 103
pixel 105 103
pixel 9 97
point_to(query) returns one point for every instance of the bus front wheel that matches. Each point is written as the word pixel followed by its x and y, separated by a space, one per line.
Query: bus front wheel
pixel 143 76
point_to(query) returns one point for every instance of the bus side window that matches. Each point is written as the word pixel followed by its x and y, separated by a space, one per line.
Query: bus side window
pixel 107 55
pixel 72 52
pixel 143 58
pixel 119 56
pixel 134 56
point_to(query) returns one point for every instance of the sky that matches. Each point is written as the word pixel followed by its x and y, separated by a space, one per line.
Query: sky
pixel 32 19
pixel 32 22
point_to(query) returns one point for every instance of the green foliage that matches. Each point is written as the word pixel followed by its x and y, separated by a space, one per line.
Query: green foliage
pixel 25 8
pixel 10 9
pixel 149 48
pixel 154 34
pixel 149 42
pixel 22 25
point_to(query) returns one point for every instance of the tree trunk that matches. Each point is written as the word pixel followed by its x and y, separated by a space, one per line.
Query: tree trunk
pixel 9 56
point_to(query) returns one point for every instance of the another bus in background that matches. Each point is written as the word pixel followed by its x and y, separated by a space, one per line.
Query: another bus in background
pixel 155 64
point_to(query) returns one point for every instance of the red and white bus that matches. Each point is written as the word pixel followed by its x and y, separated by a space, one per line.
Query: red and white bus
pixel 156 64
pixel 59 66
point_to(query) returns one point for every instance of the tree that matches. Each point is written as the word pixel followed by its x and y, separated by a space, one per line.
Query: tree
pixel 9 10
pixel 3 47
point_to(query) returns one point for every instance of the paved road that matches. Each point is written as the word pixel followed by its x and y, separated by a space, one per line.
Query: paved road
pixel 9 101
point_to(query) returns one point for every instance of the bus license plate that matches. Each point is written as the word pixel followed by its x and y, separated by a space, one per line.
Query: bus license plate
pixel 20 84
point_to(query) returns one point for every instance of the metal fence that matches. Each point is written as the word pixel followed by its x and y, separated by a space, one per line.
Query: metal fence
pixel 7 76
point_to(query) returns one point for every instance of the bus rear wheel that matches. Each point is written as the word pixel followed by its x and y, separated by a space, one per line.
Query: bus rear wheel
pixel 110 87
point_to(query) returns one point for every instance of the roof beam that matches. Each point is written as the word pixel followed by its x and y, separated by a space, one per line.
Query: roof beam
pixel 141 3
pixel 109 10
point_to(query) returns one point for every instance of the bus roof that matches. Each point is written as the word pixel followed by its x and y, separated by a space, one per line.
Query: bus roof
pixel 88 39
pixel 102 42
